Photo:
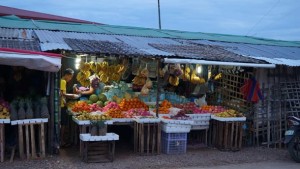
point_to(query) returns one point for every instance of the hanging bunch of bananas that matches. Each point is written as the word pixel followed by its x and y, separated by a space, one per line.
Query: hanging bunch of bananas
pixel 174 80
pixel 109 73
pixel 140 78
pixel 186 74
pixel 218 76
pixel 195 79
pixel 84 74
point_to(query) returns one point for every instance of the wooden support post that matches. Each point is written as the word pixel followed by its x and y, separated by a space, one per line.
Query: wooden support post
pixel 2 142
pixel 148 137
pixel 225 138
pixel 42 141
pixel 153 138
pixel 33 149
pixel 142 137
pixel 21 146
pixel 27 142
pixel 158 138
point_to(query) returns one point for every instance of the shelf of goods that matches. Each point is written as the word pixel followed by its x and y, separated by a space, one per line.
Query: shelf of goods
pixel 2 137
pixel 98 148
pixel 227 132
pixel 26 127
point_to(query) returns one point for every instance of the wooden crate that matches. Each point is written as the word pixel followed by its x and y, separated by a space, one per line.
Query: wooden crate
pixel 147 138
pixel 227 135
pixel 98 149
pixel 27 137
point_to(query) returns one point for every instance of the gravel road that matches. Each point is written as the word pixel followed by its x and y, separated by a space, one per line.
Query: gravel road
pixel 124 159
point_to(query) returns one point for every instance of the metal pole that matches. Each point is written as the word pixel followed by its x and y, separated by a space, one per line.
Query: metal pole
pixel 159 22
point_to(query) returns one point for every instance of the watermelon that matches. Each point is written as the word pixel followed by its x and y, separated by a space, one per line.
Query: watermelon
pixel 93 98
pixel 89 102
pixel 102 97
pixel 100 103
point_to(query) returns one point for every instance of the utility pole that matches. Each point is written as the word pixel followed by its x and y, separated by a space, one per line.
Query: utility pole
pixel 159 23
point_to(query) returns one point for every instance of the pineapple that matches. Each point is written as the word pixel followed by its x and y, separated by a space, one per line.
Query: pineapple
pixel 21 111
pixel 44 109
pixel 13 111
pixel 37 110
pixel 29 111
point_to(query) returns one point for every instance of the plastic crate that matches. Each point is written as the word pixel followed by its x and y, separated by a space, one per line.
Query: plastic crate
pixel 173 136
pixel 174 146
pixel 174 143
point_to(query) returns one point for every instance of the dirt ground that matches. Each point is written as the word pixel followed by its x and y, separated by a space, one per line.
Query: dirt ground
pixel 196 156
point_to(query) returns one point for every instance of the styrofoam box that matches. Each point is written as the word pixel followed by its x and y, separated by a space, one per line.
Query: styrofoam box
pixel 172 121
pixel 228 118
pixel 176 128
pixel 107 137
pixel 205 116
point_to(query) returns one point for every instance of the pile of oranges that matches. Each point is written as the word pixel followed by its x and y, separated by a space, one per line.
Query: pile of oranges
pixel 81 107
pixel 134 103
pixel 164 107
pixel 115 113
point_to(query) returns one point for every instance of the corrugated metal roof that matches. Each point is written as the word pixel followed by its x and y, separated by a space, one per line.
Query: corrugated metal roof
pixel 54 46
pixel 102 47
pixel 25 34
pixel 74 27
pixel 272 54
pixel 20 44
pixel 142 43
pixel 229 38
pixel 13 22
pixel 133 31
pixel 205 52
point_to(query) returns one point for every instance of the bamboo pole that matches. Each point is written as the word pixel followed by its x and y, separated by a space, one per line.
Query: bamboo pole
pixel 158 86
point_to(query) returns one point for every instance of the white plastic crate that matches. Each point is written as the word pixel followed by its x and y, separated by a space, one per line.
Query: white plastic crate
pixel 174 143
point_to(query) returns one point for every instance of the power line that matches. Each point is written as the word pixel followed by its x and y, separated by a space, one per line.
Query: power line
pixel 281 18
pixel 267 13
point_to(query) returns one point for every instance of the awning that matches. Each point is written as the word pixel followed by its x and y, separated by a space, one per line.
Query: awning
pixel 206 62
pixel 43 61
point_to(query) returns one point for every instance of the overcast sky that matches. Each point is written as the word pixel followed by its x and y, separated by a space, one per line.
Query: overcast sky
pixel 275 19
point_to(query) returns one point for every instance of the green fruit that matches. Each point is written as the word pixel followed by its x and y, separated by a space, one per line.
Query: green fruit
pixel 102 97
pixel 89 102
pixel 93 98
pixel 100 103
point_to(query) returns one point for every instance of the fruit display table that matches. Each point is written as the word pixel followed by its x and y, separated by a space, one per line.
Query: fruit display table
pixel 147 136
pixel 227 132
pixel 2 137
pixel 98 148
pixel 26 127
